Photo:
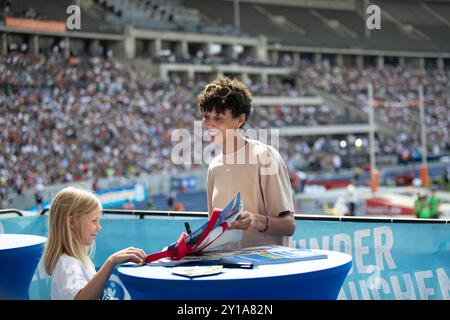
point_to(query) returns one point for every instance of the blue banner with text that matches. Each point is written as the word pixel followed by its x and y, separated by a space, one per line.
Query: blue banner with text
pixel 394 261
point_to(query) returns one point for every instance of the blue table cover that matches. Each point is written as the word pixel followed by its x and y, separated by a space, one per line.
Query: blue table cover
pixel 19 257
pixel 314 279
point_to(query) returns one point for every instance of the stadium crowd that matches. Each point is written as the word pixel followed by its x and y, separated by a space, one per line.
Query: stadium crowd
pixel 73 119
pixel 396 100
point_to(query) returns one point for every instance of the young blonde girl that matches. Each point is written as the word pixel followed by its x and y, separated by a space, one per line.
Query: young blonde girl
pixel 74 221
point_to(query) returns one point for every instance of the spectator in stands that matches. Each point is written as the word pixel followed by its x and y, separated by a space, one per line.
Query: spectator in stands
pixel 294 181
pixel 356 175
pixel 95 186
pixel 179 206
pixel 171 199
pixel 337 163
pixel 5 8
pixel 302 178
pixel 39 195
pixel 149 203
pixel 74 221
pixel 129 205
pixel 3 196
pixel 184 185
pixel 248 166
pixel 446 176
pixel 30 13
pixel 421 208
pixel 352 200
pixel 433 204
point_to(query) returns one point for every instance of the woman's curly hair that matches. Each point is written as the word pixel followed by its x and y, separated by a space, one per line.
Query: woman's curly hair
pixel 238 101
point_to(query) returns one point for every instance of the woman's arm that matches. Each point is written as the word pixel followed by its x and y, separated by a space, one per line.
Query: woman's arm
pixel 94 289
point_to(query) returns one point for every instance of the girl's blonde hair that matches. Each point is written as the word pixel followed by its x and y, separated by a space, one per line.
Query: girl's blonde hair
pixel 69 203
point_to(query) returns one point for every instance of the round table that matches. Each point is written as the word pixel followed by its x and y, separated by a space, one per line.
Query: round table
pixel 19 257
pixel 314 279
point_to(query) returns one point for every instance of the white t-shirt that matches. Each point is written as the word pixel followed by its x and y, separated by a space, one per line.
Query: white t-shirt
pixel 69 277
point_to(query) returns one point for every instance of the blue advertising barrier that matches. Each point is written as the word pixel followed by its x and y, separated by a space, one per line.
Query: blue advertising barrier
pixel 394 261
pixel 114 197
pixel 183 184
pixel 118 196
pixel 391 260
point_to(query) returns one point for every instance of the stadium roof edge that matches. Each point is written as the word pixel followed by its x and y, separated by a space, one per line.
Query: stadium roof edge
pixel 356 51
pixel 251 41
pixel 71 34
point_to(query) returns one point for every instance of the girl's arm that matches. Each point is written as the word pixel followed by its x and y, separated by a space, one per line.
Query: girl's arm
pixel 94 289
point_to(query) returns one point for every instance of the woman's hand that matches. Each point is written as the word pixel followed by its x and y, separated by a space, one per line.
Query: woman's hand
pixel 249 219
pixel 129 254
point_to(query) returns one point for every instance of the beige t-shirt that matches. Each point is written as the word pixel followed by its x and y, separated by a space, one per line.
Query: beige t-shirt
pixel 258 172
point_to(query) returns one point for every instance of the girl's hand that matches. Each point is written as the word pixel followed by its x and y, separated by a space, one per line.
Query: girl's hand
pixel 129 254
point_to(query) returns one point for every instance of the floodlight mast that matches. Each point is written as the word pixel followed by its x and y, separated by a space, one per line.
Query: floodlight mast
pixel 373 170
pixel 424 168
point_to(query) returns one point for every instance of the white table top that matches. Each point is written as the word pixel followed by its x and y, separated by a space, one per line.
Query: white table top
pixel 14 241
pixel 334 259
